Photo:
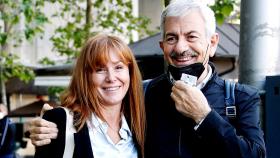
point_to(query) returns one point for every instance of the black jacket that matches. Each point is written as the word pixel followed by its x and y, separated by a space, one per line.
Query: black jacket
pixel 56 148
pixel 170 134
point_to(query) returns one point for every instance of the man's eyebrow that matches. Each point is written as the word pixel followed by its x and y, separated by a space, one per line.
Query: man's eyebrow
pixel 193 31
pixel 170 34
pixel 187 33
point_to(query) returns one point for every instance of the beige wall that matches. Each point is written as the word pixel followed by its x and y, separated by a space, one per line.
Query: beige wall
pixel 151 9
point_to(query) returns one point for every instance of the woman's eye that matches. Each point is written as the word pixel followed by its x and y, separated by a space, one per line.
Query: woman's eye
pixel 100 70
pixel 119 67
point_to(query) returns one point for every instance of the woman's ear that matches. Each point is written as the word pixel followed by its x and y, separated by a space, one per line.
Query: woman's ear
pixel 213 44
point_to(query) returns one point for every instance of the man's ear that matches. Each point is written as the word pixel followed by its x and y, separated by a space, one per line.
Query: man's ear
pixel 161 45
pixel 214 44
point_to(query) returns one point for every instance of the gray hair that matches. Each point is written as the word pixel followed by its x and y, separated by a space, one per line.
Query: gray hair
pixel 179 8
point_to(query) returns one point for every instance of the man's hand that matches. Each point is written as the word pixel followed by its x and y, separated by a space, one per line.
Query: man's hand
pixel 190 101
pixel 42 131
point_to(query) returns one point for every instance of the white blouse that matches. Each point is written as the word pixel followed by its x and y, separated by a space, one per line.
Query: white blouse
pixel 103 146
pixel 101 143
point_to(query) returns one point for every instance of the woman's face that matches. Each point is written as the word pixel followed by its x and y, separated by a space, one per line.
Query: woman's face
pixel 112 80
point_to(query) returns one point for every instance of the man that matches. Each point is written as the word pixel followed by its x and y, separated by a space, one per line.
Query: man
pixel 185 107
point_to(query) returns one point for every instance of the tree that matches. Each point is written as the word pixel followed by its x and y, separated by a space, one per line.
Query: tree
pixel 86 17
pixel 11 14
pixel 223 9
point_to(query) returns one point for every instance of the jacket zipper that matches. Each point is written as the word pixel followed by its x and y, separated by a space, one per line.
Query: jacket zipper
pixel 179 142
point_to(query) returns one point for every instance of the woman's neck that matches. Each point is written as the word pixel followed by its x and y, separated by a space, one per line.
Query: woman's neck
pixel 112 115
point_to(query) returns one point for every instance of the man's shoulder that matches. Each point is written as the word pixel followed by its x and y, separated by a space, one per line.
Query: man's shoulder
pixel 156 85
pixel 157 81
pixel 239 87
pixel 246 91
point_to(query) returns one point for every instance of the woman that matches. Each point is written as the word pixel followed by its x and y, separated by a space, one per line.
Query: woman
pixel 104 105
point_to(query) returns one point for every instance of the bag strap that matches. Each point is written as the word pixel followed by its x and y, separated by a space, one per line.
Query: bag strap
pixel 146 83
pixel 69 135
pixel 3 134
pixel 230 99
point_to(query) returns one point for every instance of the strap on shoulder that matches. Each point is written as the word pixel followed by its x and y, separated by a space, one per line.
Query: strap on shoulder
pixel 4 132
pixel 230 99
pixel 69 134
pixel 146 83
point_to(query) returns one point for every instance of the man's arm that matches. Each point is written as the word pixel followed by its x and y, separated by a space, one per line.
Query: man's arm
pixel 42 131
pixel 243 140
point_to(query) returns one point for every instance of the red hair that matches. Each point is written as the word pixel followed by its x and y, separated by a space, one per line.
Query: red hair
pixel 82 97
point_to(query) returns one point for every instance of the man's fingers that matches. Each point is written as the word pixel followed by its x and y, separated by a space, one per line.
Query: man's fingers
pixel 39 122
pixel 181 85
pixel 45 108
pixel 41 142
pixel 40 137
pixel 42 130
pixel 174 96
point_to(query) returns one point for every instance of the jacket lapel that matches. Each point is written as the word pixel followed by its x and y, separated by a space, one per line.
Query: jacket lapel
pixel 82 144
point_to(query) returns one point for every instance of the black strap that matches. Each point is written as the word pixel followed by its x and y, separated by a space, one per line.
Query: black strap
pixel 230 99
pixel 146 84
pixel 3 133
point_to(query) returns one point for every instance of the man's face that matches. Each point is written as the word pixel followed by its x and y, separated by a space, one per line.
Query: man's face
pixel 187 34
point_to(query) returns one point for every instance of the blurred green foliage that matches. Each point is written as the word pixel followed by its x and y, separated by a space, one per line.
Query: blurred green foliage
pixel 28 12
pixel 223 9
pixel 85 18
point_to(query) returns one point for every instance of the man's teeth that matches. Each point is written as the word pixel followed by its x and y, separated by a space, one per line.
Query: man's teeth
pixel 184 58
pixel 193 54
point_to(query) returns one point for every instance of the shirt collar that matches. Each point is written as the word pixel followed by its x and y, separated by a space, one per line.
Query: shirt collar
pixel 206 79
pixel 124 130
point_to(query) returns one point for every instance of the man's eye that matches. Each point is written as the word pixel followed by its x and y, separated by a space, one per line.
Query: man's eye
pixel 171 40
pixel 192 38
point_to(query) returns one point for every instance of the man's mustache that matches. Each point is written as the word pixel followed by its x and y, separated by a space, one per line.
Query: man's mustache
pixel 186 53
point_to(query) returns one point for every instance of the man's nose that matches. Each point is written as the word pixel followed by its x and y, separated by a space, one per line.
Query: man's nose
pixel 181 45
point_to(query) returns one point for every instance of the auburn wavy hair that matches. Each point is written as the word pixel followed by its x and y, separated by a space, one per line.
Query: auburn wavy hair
pixel 82 98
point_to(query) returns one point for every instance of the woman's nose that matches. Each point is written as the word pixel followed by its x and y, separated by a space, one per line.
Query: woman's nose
pixel 111 76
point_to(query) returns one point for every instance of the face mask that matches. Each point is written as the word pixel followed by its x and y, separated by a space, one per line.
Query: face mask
pixel 195 69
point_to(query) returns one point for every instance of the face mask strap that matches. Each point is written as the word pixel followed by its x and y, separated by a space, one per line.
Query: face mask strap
pixel 205 56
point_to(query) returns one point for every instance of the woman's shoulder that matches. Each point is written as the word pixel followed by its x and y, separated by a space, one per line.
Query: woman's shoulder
pixel 56 115
pixel 55 111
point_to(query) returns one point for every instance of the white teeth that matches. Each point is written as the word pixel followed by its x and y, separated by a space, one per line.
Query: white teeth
pixel 111 88
pixel 185 58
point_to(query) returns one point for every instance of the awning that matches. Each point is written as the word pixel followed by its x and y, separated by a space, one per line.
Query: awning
pixel 30 110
